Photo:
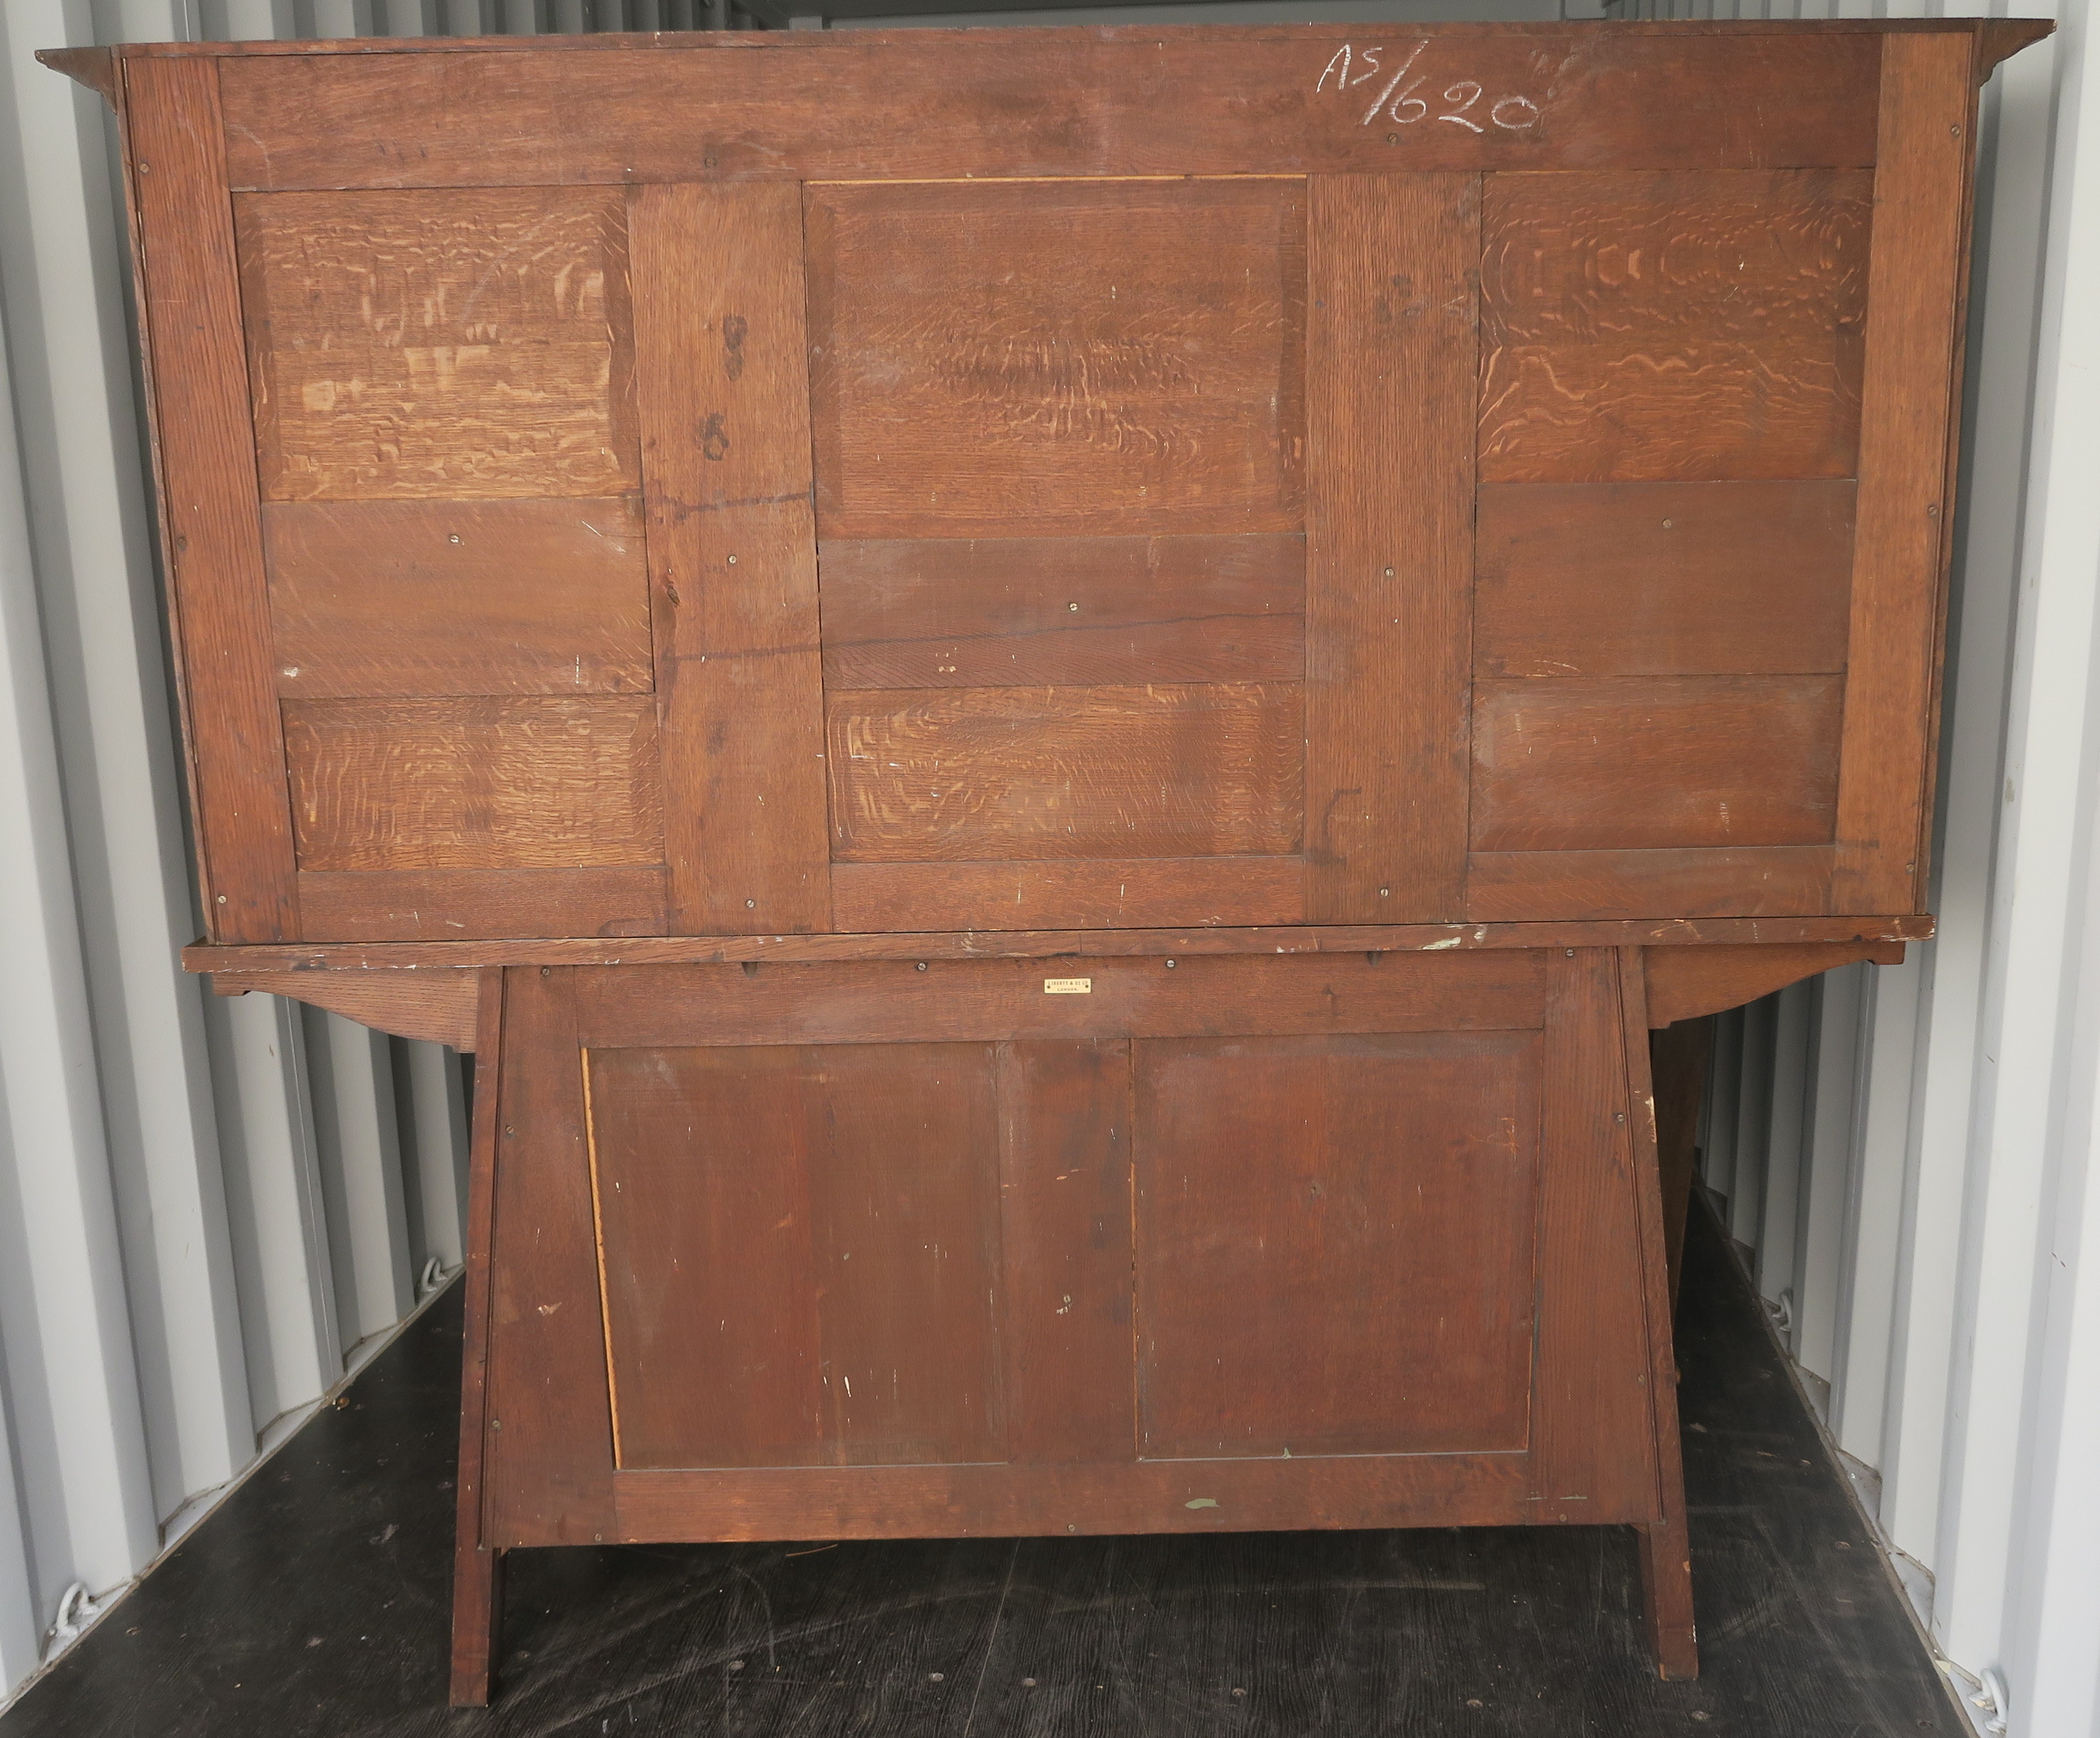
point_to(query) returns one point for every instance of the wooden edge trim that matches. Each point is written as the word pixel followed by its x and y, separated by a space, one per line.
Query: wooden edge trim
pixel 478 1583
pixel 1019 944
pixel 1998 39
pixel 440 1006
pixel 746 41
pixel 95 67
pixel 1685 983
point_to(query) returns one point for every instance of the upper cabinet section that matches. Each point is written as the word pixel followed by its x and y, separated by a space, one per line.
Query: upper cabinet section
pixel 1025 479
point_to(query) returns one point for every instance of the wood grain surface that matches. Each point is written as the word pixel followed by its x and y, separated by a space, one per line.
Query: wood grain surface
pixel 719 331
pixel 1057 357
pixel 1090 101
pixel 801 1253
pixel 1067 612
pixel 1317 1275
pixel 1389 540
pixel 476 783
pixel 477 1565
pixel 441 598
pixel 549 1438
pixel 1671 326
pixel 1187 770
pixel 979 1001
pixel 438 1005
pixel 1623 763
pixel 1593 1420
pixel 211 531
pixel 1132 943
pixel 1662 579
pixel 1710 980
pixel 1533 889
pixel 480 908
pixel 472 343
pixel 1103 893
pixel 1913 368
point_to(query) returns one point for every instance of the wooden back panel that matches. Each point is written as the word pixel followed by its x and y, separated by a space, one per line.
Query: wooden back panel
pixel 1205 476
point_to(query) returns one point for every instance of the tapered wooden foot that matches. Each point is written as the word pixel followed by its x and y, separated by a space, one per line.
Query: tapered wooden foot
pixel 1665 1557
pixel 477 1623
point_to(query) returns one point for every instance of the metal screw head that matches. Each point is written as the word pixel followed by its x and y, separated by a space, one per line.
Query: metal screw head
pixel 732 561
pixel 751 905
pixel 1393 138
pixel 1169 965
pixel 920 967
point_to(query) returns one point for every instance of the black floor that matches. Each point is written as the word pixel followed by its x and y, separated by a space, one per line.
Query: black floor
pixel 314 1602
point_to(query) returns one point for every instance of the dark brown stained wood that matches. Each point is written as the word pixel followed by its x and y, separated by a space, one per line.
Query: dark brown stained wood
pixel 1661 579
pixel 471 343
pixel 1201 769
pixel 1389 543
pixel 1065 1123
pixel 1665 1545
pixel 1601 887
pixel 1096 893
pixel 801 1253
pixel 1996 40
pixel 1683 984
pixel 1057 357
pixel 477 1566
pixel 1593 1453
pixel 474 784
pixel 438 1004
pixel 1631 763
pixel 212 538
pixel 95 68
pixel 550 1423
pixel 1299 940
pixel 1927 153
pixel 725 458
pixel 439 598
pixel 465 908
pixel 987 1001
pixel 1204 1496
pixel 1063 611
pixel 1081 102
pixel 478 1594
pixel 1679 1056
pixel 1322 1272
pixel 1686 326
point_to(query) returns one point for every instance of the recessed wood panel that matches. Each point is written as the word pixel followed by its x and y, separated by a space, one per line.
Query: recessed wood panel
pixel 1024 612
pixel 1631 763
pixel 455 598
pixel 1057 357
pixel 471 343
pixel 1205 770
pixel 1662 579
pixel 474 784
pixel 1334 1244
pixel 800 1253
pixel 1678 326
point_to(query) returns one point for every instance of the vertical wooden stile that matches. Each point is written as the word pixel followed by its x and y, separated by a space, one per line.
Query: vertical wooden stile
pixel 1905 503
pixel 477 1566
pixel 1665 1543
pixel 723 378
pixel 1593 1368
pixel 1391 373
pixel 210 507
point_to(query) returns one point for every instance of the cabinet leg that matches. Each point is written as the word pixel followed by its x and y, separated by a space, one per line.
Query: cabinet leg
pixel 1665 1558
pixel 1678 1056
pixel 477 1623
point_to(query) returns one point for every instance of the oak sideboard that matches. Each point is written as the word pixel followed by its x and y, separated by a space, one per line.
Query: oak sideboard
pixel 1056 707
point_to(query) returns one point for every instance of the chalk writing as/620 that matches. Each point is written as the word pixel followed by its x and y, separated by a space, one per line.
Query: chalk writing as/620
pixel 1352 68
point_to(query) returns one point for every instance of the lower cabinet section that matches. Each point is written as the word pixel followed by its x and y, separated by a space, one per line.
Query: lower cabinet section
pixel 1080 1245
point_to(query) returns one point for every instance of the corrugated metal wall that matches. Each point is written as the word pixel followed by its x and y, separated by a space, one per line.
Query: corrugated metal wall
pixel 207 1208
